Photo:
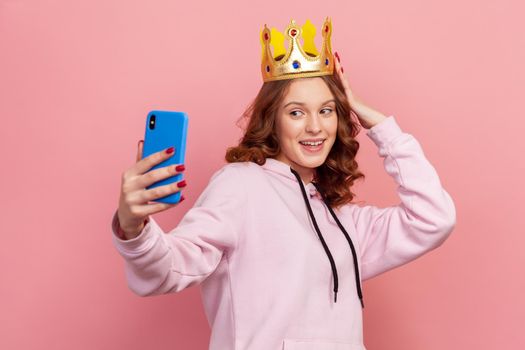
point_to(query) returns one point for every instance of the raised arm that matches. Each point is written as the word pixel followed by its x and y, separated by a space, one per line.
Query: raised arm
pixel 393 236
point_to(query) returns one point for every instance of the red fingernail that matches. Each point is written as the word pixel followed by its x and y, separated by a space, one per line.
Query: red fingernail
pixel 181 183
pixel 170 150
pixel 180 167
pixel 337 56
pixel 342 70
pixel 182 198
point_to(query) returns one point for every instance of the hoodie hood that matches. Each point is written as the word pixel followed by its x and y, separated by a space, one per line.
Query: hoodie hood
pixel 283 169
pixel 309 191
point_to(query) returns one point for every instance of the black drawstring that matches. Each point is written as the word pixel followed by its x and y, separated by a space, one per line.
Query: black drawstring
pixel 354 254
pixel 327 251
pixel 332 263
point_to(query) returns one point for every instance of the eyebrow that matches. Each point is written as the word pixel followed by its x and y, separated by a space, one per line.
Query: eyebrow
pixel 302 103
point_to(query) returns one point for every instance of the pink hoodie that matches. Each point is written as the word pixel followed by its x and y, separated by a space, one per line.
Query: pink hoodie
pixel 268 271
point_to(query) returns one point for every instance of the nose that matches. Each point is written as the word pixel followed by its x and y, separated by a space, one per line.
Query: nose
pixel 313 124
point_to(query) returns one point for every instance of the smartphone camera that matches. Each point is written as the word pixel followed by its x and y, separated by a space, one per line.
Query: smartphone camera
pixel 152 122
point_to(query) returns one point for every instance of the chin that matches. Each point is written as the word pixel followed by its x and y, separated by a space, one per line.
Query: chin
pixel 311 161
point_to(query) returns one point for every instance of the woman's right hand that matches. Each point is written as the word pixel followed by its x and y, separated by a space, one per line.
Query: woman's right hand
pixel 133 206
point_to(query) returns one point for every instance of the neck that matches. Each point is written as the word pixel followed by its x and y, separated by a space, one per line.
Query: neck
pixel 306 174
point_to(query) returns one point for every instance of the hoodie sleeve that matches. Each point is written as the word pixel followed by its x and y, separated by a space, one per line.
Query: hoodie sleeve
pixel 392 236
pixel 160 263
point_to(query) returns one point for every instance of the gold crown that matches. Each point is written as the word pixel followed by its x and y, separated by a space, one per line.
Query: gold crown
pixel 300 60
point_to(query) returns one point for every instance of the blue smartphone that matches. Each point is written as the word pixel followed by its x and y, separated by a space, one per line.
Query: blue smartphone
pixel 163 130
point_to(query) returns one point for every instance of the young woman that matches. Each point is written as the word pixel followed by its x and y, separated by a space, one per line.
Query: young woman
pixel 274 241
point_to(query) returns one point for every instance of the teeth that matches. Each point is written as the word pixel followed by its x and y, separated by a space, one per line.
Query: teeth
pixel 311 143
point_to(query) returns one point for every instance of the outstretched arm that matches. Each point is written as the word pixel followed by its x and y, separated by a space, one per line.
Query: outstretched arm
pixel 159 263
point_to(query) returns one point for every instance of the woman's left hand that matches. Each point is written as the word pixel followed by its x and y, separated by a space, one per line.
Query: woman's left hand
pixel 368 117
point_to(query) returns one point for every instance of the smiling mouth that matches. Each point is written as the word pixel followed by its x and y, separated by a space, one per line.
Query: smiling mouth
pixel 314 143
pixel 312 147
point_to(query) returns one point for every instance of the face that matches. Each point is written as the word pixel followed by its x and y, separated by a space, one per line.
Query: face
pixel 307 113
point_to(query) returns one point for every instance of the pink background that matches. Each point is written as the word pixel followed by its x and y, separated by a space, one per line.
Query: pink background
pixel 76 82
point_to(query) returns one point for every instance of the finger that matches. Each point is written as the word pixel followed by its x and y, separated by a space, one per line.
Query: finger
pixel 142 196
pixel 146 163
pixel 346 85
pixel 338 67
pixel 155 207
pixel 161 191
pixel 139 149
pixel 341 76
pixel 159 174
pixel 339 72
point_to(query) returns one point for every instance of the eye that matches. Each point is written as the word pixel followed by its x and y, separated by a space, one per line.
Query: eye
pixel 329 110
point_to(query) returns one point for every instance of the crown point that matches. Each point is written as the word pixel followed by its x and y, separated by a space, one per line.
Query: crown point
pixel 305 57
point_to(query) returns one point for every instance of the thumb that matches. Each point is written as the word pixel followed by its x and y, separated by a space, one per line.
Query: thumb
pixel 139 149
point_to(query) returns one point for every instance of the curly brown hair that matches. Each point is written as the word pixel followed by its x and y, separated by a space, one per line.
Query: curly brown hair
pixel 337 174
